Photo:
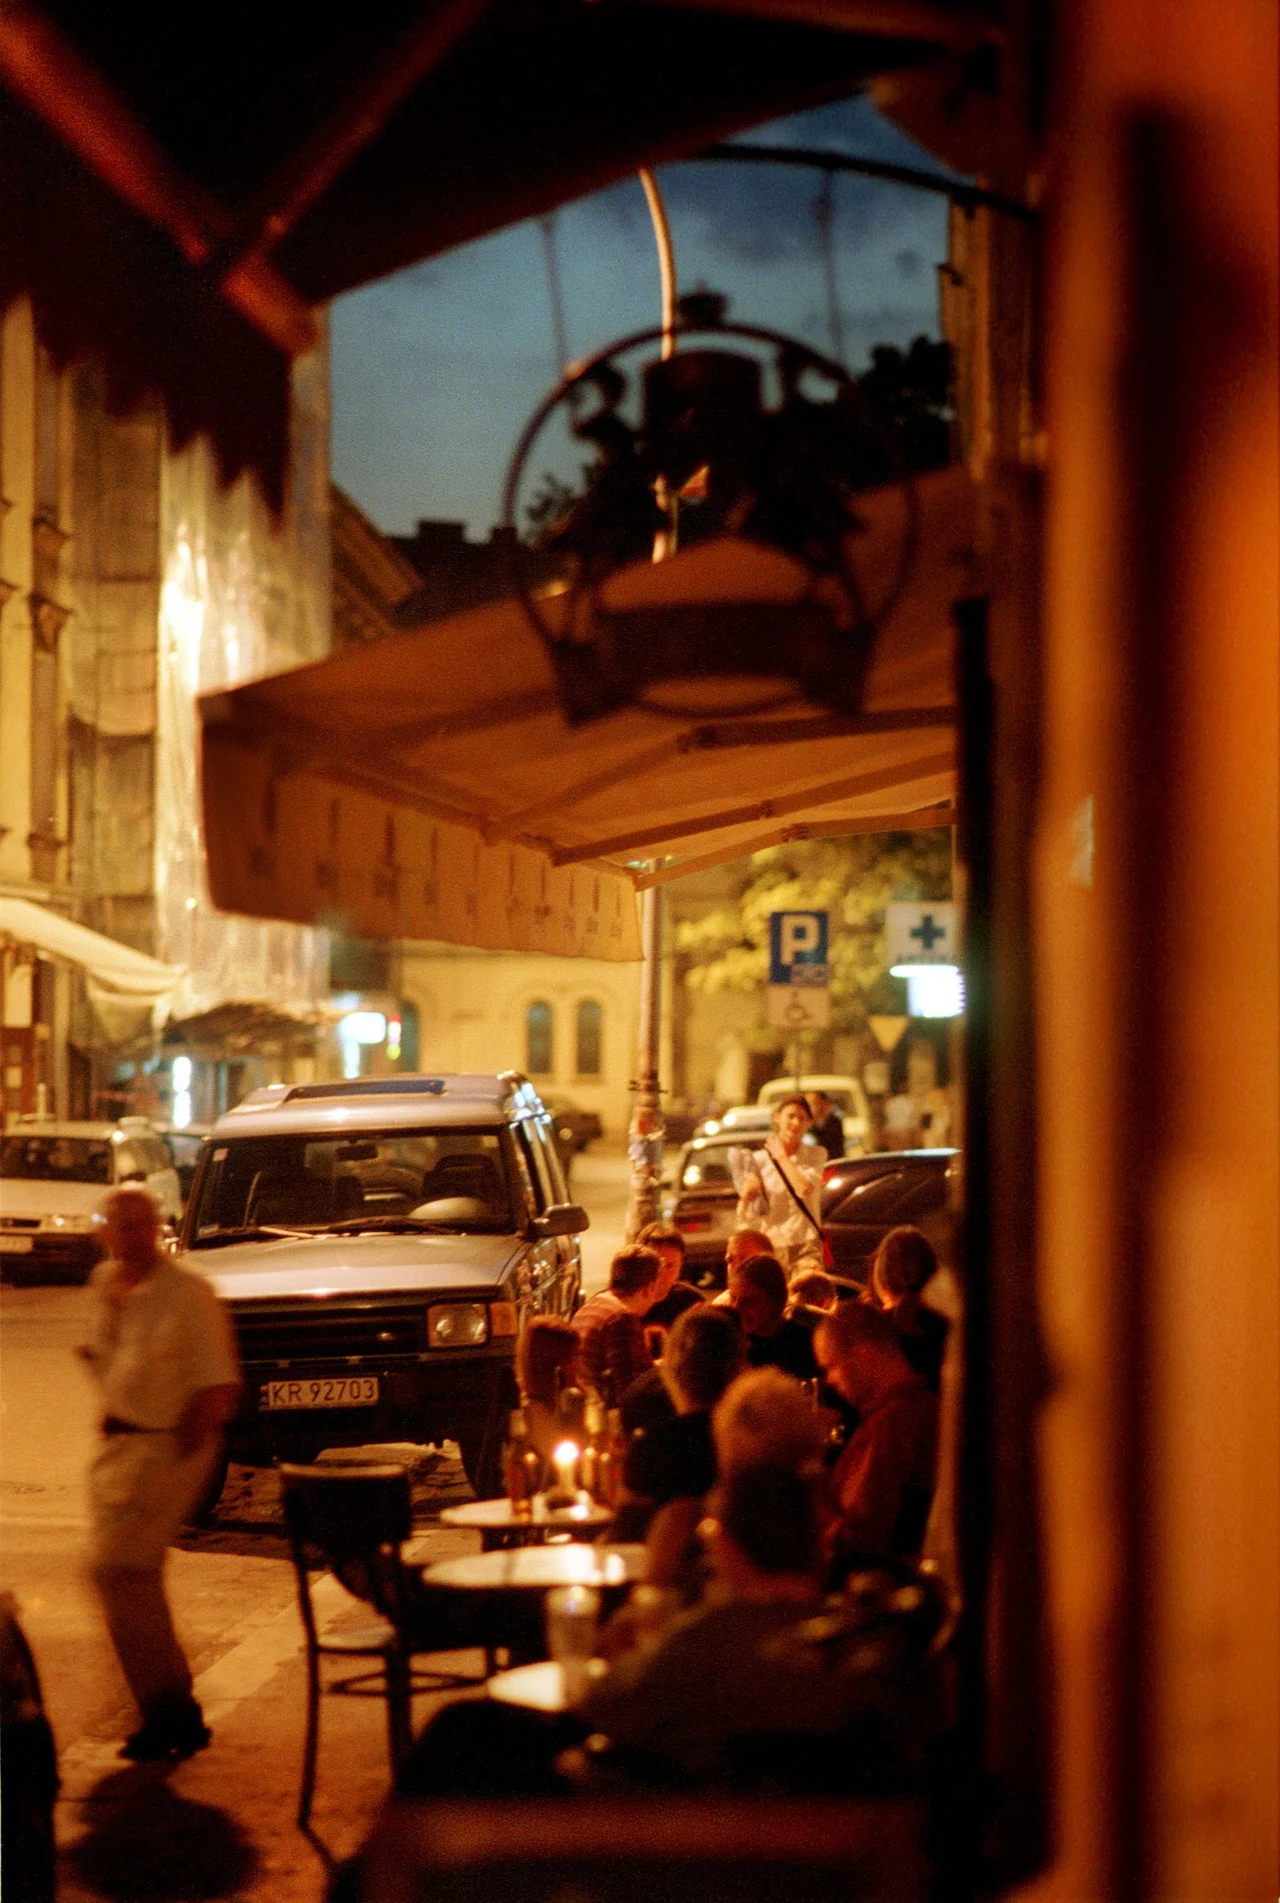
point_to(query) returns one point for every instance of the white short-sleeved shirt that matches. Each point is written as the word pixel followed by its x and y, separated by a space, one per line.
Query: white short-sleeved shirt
pixel 166 1341
pixel 786 1226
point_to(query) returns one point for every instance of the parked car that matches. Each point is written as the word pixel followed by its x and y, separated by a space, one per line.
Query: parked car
pixel 703 1202
pixel 863 1197
pixel 751 1121
pixel 53 1176
pixel 379 1243
pixel 845 1092
pixel 572 1128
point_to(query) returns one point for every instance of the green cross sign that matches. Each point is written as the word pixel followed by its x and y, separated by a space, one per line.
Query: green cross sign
pixel 927 932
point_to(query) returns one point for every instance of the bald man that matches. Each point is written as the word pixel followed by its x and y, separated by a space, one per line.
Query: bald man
pixel 163 1355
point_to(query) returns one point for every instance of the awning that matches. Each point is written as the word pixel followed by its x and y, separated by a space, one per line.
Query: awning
pixel 179 217
pixel 122 983
pixel 428 786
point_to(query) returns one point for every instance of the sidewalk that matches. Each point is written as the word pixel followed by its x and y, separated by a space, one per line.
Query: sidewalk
pixel 222 1825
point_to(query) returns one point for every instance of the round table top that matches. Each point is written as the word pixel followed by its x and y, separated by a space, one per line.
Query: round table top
pixel 536 1568
pixel 537 1687
pixel 494 1516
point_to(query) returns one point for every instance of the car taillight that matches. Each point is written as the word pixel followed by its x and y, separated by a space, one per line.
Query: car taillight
pixel 690 1224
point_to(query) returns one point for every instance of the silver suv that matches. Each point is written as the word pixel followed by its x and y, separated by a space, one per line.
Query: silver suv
pixel 379 1243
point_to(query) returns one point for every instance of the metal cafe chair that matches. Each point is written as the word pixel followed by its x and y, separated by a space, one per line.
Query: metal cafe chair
pixel 352 1522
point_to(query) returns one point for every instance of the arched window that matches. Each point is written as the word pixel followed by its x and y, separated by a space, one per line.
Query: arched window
pixel 538 1028
pixel 590 1019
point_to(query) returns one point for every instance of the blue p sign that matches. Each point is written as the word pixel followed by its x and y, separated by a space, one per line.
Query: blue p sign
pixel 797 948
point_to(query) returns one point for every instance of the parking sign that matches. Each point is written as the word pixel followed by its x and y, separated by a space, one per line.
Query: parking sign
pixel 799 971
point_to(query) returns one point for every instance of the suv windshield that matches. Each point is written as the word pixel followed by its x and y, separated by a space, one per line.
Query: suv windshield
pixel 402 1179
pixel 53 1159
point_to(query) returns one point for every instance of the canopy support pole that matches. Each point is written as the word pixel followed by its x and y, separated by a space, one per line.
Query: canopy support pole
pixel 645 1136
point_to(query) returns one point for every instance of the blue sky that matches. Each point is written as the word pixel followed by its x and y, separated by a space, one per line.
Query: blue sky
pixel 437 369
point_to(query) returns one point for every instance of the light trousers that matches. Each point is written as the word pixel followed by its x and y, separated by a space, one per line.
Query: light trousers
pixel 141 1491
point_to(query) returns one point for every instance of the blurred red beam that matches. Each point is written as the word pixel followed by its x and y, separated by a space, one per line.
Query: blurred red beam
pixel 308 173
pixel 952 26
pixel 74 100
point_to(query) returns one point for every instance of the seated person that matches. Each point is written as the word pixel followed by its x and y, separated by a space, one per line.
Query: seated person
pixel 612 1349
pixel 877 1496
pixel 902 1267
pixel 717 1673
pixel 741 1244
pixel 813 1288
pixel 758 1292
pixel 765 1419
pixel 546 1364
pixel 673 1459
pixel 674 1293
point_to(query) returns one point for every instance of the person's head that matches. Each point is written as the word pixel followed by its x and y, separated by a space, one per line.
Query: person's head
pixel 746 1242
pixel 131 1227
pixel 704 1352
pixel 902 1265
pixel 791 1119
pixel 765 1417
pixel 546 1360
pixel 819 1104
pixel 633 1276
pixel 856 1348
pixel 758 1291
pixel 667 1240
pixel 761 1531
pixel 813 1289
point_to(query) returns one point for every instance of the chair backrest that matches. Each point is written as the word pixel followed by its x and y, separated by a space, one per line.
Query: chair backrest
pixel 461 1175
pixel 355 1519
pixel 287 1196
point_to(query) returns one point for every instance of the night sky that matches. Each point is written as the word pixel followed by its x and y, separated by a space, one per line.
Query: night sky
pixel 437 369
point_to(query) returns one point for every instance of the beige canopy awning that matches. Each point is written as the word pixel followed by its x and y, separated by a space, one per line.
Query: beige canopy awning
pixel 126 987
pixel 429 786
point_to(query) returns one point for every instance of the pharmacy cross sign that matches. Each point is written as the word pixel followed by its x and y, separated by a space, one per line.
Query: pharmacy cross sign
pixel 927 931
pixel 921 933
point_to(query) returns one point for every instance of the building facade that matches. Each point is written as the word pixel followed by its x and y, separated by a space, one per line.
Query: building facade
pixel 132 579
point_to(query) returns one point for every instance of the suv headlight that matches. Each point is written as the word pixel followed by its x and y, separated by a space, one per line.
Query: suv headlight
pixel 457 1324
pixel 78 1225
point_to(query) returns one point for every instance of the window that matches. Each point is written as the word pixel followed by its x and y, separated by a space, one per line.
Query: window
pixel 538 1030
pixel 590 1021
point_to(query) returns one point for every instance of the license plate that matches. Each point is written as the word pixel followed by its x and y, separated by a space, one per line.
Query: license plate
pixel 358 1390
pixel 15 1245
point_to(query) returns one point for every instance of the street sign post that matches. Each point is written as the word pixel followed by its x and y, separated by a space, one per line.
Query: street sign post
pixel 799 971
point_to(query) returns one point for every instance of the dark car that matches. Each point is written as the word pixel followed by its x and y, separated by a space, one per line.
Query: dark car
pixel 572 1128
pixel 863 1197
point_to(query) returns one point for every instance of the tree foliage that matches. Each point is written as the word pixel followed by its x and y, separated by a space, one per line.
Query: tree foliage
pixel 853 880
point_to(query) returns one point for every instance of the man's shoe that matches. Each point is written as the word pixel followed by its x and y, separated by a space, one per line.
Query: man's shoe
pixel 168 1739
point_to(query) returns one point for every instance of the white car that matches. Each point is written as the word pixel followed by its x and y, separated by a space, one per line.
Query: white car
pixel 53 1177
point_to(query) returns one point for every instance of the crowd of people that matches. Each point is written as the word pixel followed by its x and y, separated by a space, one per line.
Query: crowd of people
pixel 781 1446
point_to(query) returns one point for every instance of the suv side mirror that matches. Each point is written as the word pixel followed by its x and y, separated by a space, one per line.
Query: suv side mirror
pixel 561 1219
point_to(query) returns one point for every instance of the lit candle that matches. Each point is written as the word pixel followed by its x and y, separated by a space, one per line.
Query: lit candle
pixel 564 1458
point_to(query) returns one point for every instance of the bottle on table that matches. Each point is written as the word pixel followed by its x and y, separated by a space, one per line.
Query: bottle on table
pixel 593 1445
pixel 521 1467
pixel 612 1460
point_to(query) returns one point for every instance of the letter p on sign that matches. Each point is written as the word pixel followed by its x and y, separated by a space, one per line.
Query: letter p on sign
pixel 799 935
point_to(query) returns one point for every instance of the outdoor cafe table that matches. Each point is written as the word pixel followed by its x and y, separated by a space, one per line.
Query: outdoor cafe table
pixel 500 1526
pixel 610 1569
pixel 537 1687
